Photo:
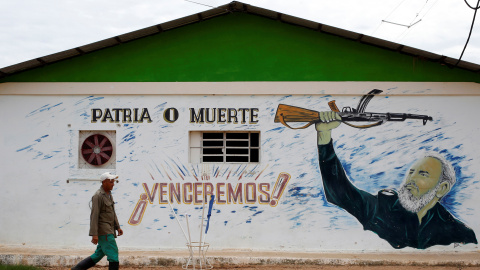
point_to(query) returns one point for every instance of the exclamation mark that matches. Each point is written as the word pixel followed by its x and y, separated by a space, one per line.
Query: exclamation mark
pixel 279 188
pixel 137 214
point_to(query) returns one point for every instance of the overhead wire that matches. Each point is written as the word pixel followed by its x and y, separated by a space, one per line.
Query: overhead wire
pixel 200 4
pixel 471 28
pixel 418 13
pixel 429 9
pixel 402 35
pixel 405 33
pixel 206 5
pixel 378 26
pixel 475 8
pixel 388 16
pixel 412 23
pixel 394 9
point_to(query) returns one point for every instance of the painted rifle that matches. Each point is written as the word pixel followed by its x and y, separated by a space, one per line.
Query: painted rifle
pixel 287 113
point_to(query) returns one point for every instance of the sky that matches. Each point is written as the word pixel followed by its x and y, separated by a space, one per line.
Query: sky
pixel 30 28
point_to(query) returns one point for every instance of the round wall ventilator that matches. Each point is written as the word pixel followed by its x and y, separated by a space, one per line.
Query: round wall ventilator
pixel 97 149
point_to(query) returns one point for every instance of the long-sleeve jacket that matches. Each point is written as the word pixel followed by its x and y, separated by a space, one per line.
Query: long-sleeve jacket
pixel 383 213
pixel 103 219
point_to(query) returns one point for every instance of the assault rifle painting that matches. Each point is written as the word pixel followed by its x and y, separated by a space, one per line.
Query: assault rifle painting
pixel 286 113
pixel 411 216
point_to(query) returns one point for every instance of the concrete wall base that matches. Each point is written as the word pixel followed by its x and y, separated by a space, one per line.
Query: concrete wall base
pixel 69 257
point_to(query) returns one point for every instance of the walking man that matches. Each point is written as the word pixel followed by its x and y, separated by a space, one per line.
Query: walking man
pixel 103 226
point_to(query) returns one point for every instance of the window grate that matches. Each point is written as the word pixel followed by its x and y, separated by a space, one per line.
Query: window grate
pixel 226 147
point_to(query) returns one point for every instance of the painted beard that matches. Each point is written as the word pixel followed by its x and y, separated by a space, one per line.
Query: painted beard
pixel 412 203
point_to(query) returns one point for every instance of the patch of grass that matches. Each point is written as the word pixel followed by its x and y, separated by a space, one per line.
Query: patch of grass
pixel 18 267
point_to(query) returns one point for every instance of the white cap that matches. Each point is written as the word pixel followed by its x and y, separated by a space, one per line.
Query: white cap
pixel 108 175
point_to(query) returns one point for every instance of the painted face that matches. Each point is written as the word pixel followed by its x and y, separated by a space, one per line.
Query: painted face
pixel 423 176
pixel 108 184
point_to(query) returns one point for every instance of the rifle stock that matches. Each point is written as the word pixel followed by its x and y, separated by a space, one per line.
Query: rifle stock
pixel 287 113
pixel 295 114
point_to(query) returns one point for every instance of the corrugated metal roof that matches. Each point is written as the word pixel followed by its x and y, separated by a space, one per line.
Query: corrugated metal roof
pixel 226 9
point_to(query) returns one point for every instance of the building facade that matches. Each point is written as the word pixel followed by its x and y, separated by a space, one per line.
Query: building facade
pixel 215 104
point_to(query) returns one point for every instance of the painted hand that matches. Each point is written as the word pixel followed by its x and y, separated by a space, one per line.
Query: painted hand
pixel 328 121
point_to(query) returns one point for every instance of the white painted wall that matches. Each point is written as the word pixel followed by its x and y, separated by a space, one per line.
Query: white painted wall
pixel 39 139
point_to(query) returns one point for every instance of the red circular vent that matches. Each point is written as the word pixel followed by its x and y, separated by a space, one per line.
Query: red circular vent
pixel 97 150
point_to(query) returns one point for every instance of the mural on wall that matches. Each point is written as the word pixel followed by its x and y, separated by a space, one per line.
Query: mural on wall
pixel 413 216
pixel 284 201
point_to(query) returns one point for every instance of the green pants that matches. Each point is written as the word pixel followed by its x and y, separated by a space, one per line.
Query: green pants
pixel 106 246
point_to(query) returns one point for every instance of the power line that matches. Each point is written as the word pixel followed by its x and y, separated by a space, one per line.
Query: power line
pixel 395 9
pixel 207 5
pixel 429 9
pixel 402 35
pixel 419 12
pixel 405 33
pixel 200 4
pixel 471 28
pixel 475 8
pixel 388 16
pixel 412 23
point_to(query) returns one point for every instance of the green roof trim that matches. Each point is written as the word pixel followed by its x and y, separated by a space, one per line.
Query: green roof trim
pixel 240 46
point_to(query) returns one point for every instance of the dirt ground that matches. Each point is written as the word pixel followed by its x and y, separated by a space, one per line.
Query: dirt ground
pixel 299 267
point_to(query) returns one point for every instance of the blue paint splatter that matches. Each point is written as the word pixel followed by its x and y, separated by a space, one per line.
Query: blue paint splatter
pixel 64 225
pixel 130 136
pixel 257 213
pixel 280 129
pixel 186 169
pixel 27 147
pixel 161 105
pixel 284 97
pixel 40 139
pixel 92 100
pixel 60 165
pixel 43 108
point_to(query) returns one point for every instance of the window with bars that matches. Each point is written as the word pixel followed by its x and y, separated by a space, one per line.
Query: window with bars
pixel 224 147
